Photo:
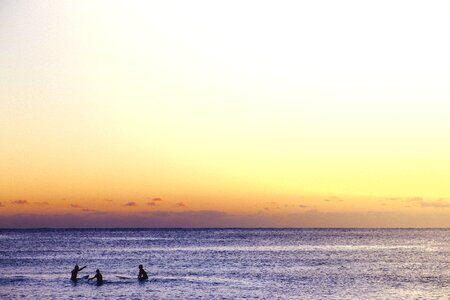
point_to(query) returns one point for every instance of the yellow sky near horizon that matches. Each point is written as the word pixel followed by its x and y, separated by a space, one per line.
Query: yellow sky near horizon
pixel 230 106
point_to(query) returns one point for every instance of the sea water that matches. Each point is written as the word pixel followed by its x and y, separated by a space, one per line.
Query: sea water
pixel 227 263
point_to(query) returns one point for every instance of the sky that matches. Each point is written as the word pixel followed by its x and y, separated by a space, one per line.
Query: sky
pixel 225 113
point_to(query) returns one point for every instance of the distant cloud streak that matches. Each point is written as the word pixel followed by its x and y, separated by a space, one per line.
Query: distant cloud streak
pixel 216 219
pixel 439 203
pixel 19 202
pixel 333 199
pixel 436 204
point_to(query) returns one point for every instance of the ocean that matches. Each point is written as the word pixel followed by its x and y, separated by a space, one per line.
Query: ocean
pixel 227 263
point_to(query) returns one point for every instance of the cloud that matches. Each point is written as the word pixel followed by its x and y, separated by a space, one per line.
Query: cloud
pixel 152 204
pixel 439 203
pixel 155 199
pixel 75 206
pixel 333 199
pixel 180 204
pixel 414 199
pixel 2 205
pixel 131 203
pixel 19 202
pixel 87 210
pixel 392 199
pixel 109 200
pixel 274 205
pixel 41 203
pixel 303 206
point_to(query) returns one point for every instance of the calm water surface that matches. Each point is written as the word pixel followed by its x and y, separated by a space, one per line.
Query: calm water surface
pixel 227 264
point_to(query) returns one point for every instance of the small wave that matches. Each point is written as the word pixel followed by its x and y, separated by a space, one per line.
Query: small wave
pixel 12 279
pixel 275 248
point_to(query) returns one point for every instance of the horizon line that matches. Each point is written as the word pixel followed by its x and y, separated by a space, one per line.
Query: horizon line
pixel 223 228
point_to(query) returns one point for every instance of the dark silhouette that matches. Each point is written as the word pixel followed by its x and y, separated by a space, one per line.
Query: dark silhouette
pixel 75 272
pixel 98 276
pixel 142 274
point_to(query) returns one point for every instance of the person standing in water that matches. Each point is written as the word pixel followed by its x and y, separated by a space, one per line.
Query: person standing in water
pixel 75 272
pixel 142 274
pixel 97 276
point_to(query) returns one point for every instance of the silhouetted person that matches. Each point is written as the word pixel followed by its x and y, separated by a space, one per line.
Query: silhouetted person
pixel 75 272
pixel 142 274
pixel 97 276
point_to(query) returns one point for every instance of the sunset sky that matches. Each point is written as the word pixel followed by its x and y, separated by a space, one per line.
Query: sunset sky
pixel 225 113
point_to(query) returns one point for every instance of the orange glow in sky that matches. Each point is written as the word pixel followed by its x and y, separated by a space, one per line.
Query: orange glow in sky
pixel 261 113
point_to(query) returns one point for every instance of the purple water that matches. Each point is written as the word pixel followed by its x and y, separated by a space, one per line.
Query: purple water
pixel 227 263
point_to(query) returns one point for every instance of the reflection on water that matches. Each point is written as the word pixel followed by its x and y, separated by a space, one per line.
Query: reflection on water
pixel 227 263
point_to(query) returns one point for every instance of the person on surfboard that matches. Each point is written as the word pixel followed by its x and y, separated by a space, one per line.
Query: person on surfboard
pixel 97 276
pixel 75 272
pixel 142 274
